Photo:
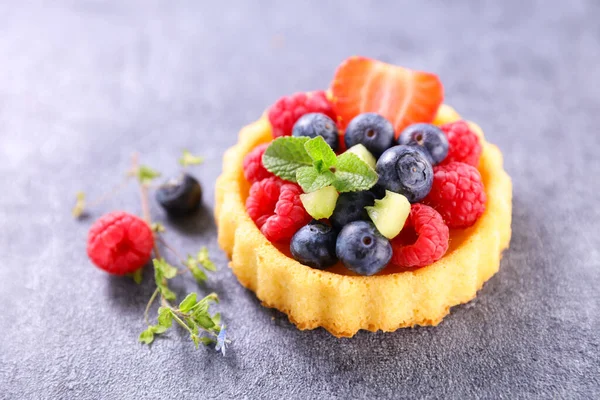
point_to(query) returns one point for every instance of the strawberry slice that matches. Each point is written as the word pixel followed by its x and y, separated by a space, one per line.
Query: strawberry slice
pixel 401 95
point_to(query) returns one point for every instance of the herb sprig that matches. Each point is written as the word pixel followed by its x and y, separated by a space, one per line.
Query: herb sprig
pixel 192 314
pixel 314 165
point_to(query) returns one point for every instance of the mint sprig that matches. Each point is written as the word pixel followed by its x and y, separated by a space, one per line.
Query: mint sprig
pixel 313 165
pixel 285 155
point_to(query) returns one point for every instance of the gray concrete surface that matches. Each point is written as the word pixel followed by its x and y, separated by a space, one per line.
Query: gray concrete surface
pixel 85 83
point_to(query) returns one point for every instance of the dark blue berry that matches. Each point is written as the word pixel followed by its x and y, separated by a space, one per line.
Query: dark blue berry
pixel 316 124
pixel 362 249
pixel 314 245
pixel 406 170
pixel 372 131
pixel 351 207
pixel 429 137
pixel 180 196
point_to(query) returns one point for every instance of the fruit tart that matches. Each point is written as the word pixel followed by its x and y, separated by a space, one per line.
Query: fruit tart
pixel 371 205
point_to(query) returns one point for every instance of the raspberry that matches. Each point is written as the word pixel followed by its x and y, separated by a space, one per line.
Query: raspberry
pixel 275 206
pixel 457 194
pixel 464 145
pixel 286 111
pixel 263 198
pixel 254 170
pixel 423 240
pixel 120 243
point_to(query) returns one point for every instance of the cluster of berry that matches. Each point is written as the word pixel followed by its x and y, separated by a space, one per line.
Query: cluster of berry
pixel 428 180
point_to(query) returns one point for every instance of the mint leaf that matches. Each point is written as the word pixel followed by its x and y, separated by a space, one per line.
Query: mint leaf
pixel 311 180
pixel 137 275
pixel 187 303
pixel 322 155
pixel 353 174
pixel 147 336
pixel 189 159
pixel 196 340
pixel 285 155
pixel 146 174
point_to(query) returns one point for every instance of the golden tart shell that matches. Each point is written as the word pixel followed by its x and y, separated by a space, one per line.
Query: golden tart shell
pixel 340 302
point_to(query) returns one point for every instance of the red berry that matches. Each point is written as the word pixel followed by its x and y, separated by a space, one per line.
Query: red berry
pixel 423 240
pixel 275 206
pixel 254 170
pixel 457 194
pixel 464 145
pixel 120 243
pixel 287 110
pixel 262 199
pixel 401 95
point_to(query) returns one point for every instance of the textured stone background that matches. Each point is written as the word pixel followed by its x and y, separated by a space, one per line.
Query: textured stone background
pixel 85 83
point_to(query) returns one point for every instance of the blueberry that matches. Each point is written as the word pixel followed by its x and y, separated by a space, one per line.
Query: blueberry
pixel 362 249
pixel 372 131
pixel 351 207
pixel 314 245
pixel 180 196
pixel 406 170
pixel 429 137
pixel 316 124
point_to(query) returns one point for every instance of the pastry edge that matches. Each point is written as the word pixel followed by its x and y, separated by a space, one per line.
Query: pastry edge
pixel 341 304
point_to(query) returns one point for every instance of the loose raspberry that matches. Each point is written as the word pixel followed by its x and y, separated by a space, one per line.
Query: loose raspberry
pixel 423 240
pixel 254 170
pixel 120 243
pixel 464 145
pixel 275 206
pixel 286 111
pixel 457 194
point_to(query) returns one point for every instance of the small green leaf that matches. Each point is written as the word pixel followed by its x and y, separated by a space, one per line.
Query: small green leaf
pixel 167 270
pixel 206 262
pixel 311 180
pixel 165 317
pixel 322 155
pixel 147 336
pixel 196 340
pixel 207 341
pixel 158 329
pixel 199 275
pixel 205 321
pixel 167 293
pixel 137 275
pixel 157 227
pixel 79 207
pixel 187 303
pixel 285 155
pixel 146 174
pixel 353 174
pixel 189 159
pixel 217 318
pixel 191 262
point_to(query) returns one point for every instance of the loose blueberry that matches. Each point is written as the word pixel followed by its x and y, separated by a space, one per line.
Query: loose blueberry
pixel 180 196
pixel 316 124
pixel 350 207
pixel 429 137
pixel 406 170
pixel 314 245
pixel 362 249
pixel 372 131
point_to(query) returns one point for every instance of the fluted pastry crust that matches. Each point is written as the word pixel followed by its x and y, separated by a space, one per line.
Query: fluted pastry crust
pixel 336 299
